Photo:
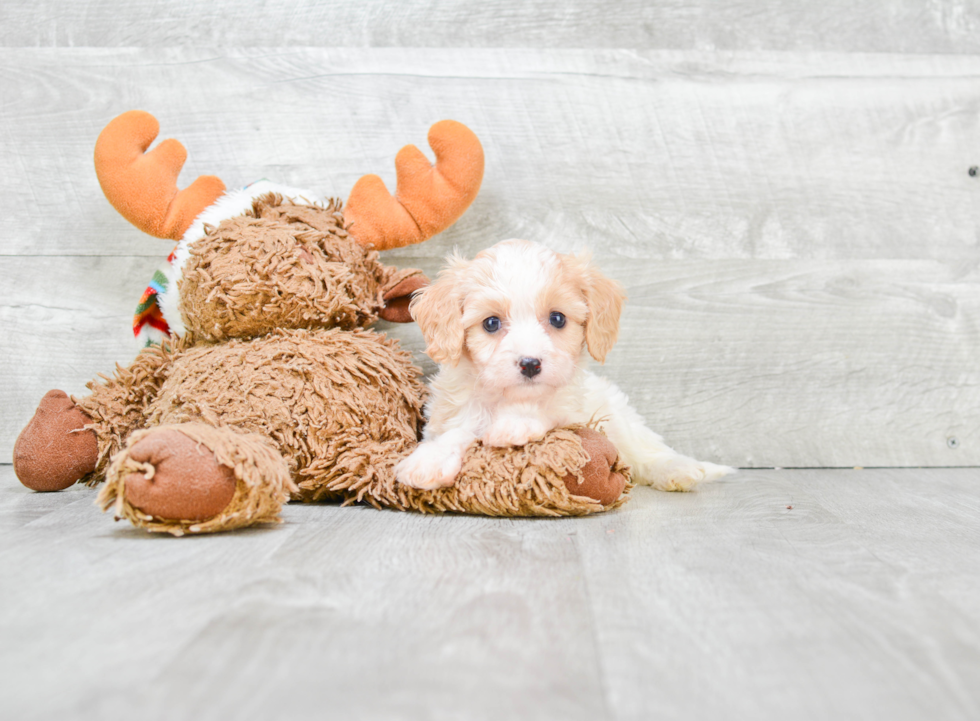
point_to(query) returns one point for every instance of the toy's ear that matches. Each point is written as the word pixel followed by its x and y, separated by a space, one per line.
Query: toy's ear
pixel 397 294
pixel 604 298
pixel 428 198
pixel 438 310
pixel 142 186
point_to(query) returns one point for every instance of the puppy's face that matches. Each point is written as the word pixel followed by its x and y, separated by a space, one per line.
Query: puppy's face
pixel 521 314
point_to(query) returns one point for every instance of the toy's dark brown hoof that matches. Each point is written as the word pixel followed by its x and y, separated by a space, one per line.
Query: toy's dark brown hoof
pixel 186 482
pixel 53 451
pixel 598 480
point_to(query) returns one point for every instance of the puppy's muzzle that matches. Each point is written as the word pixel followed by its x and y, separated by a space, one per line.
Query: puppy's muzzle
pixel 530 367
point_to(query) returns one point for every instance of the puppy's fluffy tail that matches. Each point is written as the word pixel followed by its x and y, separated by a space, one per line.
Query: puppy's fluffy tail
pixel 653 462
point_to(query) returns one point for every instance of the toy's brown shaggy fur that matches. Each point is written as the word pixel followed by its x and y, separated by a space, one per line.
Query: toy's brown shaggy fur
pixel 334 403
pixel 531 480
pixel 262 482
pixel 236 278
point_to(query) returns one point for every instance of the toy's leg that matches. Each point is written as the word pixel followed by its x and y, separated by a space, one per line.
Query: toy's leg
pixel 55 449
pixel 567 473
pixel 195 478
pixel 71 439
pixel 599 481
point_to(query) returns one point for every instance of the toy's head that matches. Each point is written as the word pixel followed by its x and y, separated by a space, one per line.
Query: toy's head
pixel 260 258
pixel 278 265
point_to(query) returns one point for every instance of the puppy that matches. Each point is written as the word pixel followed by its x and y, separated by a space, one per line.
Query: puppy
pixel 510 330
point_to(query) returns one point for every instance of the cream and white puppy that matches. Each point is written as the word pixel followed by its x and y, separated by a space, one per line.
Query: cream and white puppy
pixel 510 330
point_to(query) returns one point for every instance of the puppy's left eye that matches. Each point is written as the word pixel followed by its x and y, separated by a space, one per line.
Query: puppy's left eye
pixel 557 319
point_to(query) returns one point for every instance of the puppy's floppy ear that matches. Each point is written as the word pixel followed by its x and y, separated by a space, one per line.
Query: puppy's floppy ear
pixel 438 311
pixel 604 297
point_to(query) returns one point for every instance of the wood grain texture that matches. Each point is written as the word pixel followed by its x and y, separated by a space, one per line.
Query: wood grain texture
pixel 64 321
pixel 796 593
pixel 798 232
pixel 860 601
pixel 640 155
pixel 905 26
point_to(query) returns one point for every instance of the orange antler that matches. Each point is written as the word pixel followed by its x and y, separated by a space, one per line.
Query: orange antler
pixel 428 199
pixel 143 186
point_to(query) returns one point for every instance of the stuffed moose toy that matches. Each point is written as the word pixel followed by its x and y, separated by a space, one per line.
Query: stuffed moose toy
pixel 259 381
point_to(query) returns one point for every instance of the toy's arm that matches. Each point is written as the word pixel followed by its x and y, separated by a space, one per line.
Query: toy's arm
pixel 428 198
pixel 142 185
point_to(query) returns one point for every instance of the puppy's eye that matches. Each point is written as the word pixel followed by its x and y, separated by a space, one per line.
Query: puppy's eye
pixel 491 324
pixel 557 319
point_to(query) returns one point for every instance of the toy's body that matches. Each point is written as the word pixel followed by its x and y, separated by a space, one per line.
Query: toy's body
pixel 334 410
pixel 273 387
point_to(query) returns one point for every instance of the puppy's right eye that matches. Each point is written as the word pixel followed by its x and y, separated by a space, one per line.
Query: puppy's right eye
pixel 491 324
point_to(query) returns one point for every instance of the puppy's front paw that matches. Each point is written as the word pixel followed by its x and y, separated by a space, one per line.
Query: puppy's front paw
pixel 430 466
pixel 514 432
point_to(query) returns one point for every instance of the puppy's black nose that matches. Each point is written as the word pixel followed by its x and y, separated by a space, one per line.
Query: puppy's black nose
pixel 530 367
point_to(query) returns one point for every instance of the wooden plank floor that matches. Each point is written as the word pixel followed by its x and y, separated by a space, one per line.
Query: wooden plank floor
pixel 860 601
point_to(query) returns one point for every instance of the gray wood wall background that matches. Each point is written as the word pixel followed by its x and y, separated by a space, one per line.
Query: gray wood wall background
pixel 782 186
